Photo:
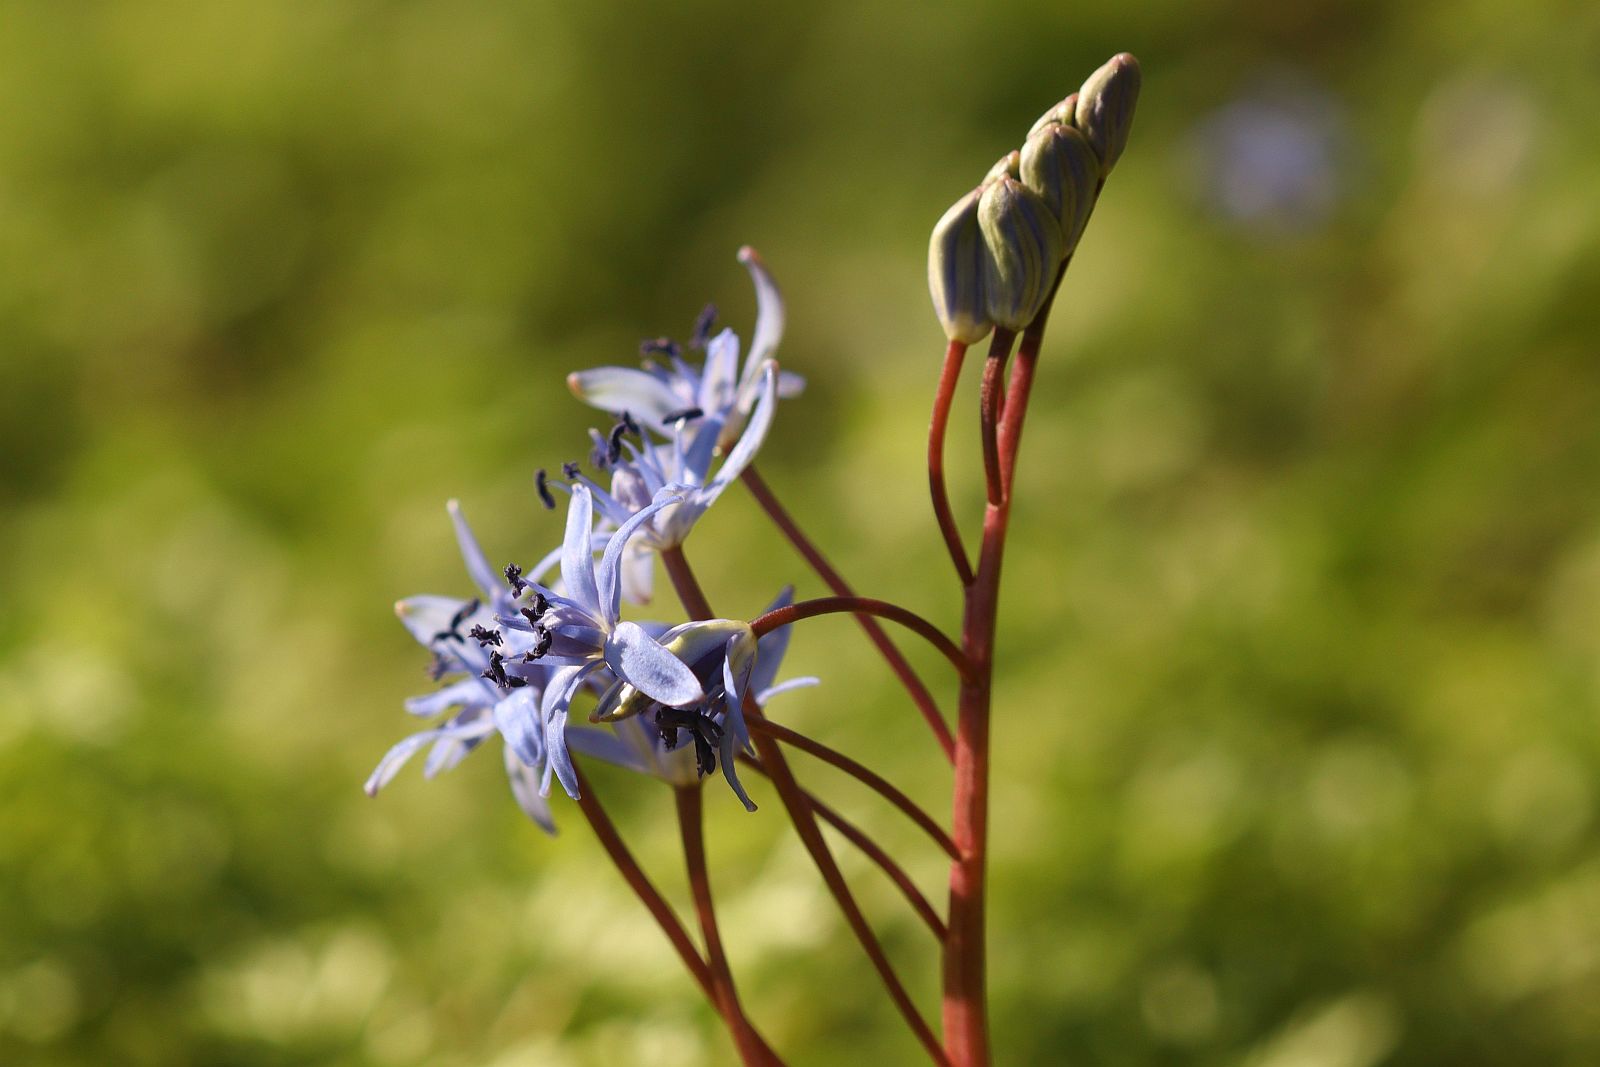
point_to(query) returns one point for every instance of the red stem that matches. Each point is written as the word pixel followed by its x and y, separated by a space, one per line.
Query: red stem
pixel 690 824
pixel 873 851
pixel 1021 387
pixel 989 410
pixel 805 823
pixel 606 833
pixel 860 605
pixel 949 375
pixel 861 773
pixel 965 1014
pixel 834 581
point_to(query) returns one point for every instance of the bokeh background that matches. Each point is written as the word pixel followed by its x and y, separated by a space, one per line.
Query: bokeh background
pixel 1298 730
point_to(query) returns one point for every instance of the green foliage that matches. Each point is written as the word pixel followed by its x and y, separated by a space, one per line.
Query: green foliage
pixel 1298 730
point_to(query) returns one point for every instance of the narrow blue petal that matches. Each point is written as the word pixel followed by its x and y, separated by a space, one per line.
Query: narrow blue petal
pixel 468 691
pixel 525 788
pixel 403 750
pixel 749 441
pixel 447 754
pixel 720 381
pixel 611 509
pixel 803 682
pixel 618 389
pixel 517 719
pixel 394 759
pixel 486 577
pixel 726 754
pixel 553 709
pixel 553 557
pixel 701 449
pixel 636 658
pixel 769 311
pixel 734 687
pixel 577 558
pixel 771 647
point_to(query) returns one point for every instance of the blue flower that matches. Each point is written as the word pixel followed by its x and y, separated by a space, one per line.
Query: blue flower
pixel 524 651
pixel 717 392
pixel 699 414
pixel 687 465
pixel 650 738
pixel 579 630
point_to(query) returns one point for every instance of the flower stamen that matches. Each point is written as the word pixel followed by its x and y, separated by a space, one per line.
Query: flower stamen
pixel 702 327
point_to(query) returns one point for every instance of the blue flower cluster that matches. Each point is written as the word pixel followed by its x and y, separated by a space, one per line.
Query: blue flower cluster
pixel 515 656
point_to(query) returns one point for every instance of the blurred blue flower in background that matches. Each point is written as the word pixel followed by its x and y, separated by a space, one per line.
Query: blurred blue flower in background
pixel 1270 159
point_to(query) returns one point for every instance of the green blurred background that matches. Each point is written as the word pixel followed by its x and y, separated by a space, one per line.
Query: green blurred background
pixel 1297 746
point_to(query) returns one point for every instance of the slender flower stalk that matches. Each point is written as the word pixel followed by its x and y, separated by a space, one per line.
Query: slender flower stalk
pixel 691 827
pixel 943 398
pixel 1020 388
pixel 835 581
pixel 760 724
pixel 605 831
pixel 965 1011
pixel 872 850
pixel 860 605
pixel 876 854
pixel 990 406
pixel 805 824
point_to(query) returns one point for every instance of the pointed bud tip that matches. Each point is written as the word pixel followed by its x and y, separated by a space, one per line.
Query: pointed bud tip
pixel 1106 104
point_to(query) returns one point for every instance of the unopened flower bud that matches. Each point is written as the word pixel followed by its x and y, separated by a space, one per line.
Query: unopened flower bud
pixel 1105 107
pixel 1009 166
pixel 1063 114
pixel 1023 240
pixel 955 272
pixel 1059 165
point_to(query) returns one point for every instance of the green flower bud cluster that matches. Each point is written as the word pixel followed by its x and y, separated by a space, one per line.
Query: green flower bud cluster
pixel 994 255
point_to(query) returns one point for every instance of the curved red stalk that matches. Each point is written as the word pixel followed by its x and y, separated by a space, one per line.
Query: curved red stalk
pixel 989 411
pixel 691 826
pixel 859 605
pixel 834 581
pixel 872 850
pixel 605 831
pixel 805 824
pixel 949 375
pixel 861 773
